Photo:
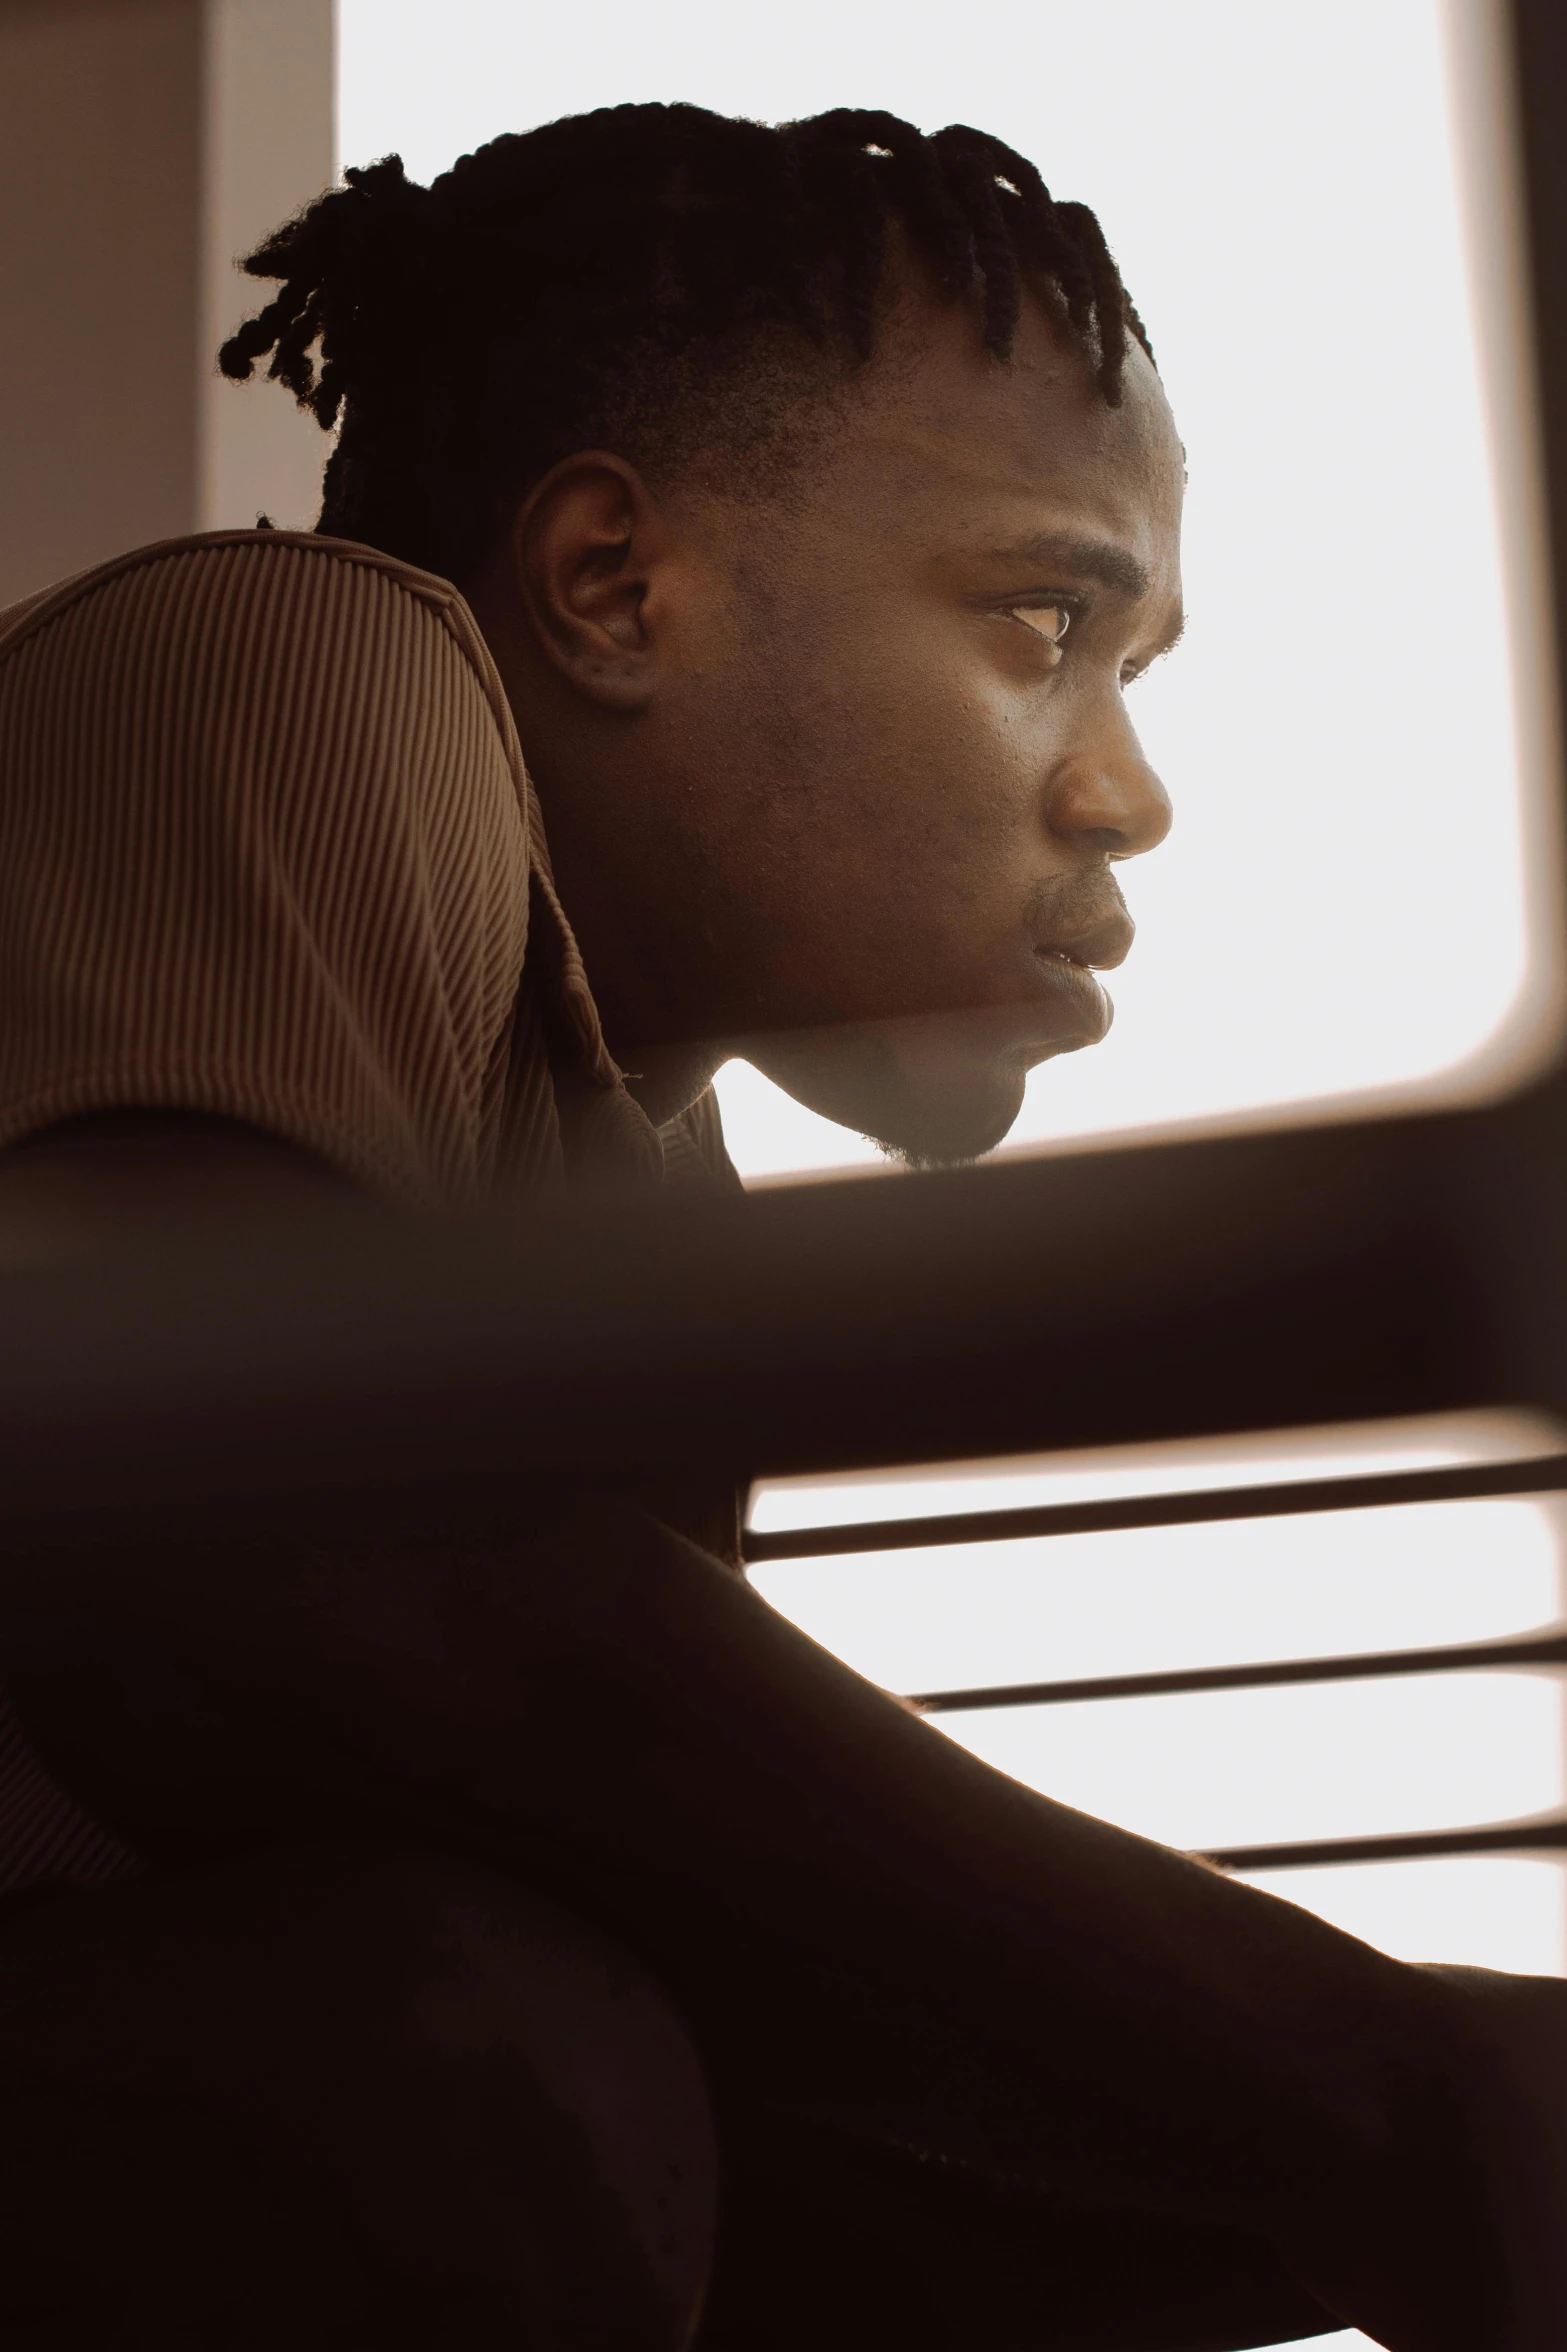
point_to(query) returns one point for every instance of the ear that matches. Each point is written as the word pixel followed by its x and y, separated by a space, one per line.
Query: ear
pixel 586 547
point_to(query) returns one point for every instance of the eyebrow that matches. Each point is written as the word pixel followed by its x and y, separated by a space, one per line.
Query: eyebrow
pixel 1092 559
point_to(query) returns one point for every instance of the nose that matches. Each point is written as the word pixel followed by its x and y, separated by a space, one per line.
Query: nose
pixel 1104 796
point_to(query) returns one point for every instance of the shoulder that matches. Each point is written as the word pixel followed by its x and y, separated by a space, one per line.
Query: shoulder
pixel 266 557
pixel 277 591
pixel 264 854
pixel 277 634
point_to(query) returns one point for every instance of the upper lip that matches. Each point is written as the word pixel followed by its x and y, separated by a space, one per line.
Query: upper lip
pixel 1099 945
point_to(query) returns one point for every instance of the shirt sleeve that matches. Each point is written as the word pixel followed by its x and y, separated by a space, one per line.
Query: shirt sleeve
pixel 263 853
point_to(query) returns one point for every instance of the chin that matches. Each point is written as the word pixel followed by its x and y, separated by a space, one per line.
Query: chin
pixel 927 1108
pixel 944 1131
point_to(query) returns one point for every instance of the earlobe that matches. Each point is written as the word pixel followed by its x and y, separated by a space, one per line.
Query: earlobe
pixel 583 545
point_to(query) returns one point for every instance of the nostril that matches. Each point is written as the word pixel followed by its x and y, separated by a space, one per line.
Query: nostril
pixel 1116 805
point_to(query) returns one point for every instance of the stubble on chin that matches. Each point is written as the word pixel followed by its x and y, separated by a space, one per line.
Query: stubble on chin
pixel 926 1110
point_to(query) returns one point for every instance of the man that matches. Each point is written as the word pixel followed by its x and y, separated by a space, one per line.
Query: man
pixel 813 499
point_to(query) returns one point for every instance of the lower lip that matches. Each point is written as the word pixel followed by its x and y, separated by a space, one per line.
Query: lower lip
pixel 1076 986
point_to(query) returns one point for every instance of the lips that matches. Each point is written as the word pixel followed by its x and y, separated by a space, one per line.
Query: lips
pixel 1096 947
pixel 1067 952
pixel 1081 1008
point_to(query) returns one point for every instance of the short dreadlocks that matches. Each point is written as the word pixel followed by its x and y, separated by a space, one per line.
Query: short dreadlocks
pixel 629 279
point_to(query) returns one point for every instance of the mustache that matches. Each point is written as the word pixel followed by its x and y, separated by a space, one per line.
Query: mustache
pixel 1080 916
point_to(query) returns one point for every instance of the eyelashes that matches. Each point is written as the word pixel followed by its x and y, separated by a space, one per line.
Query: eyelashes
pixel 1049 613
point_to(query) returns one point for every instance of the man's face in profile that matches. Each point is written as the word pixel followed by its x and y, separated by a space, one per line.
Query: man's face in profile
pixel 866 824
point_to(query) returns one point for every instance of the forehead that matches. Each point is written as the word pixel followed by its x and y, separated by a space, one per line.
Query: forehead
pixel 941 432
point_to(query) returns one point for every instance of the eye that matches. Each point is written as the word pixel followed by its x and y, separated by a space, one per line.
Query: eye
pixel 1049 619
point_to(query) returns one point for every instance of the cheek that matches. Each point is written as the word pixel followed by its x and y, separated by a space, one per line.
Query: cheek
pixel 894 826
pixel 943 775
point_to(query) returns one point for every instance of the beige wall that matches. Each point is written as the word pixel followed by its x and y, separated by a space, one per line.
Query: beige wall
pixel 270 130
pixel 143 143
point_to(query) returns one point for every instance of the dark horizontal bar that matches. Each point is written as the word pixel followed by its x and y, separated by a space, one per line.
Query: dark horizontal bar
pixel 1543 1834
pixel 1546 1649
pixel 1541 1474
pixel 1125 1297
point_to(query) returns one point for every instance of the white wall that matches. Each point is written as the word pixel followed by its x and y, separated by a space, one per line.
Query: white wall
pixel 142 144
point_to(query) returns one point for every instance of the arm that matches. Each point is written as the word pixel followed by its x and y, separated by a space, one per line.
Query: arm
pixel 939 1953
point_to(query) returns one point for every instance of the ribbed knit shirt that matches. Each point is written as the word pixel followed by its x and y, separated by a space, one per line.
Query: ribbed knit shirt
pixel 269 850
